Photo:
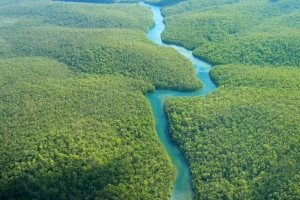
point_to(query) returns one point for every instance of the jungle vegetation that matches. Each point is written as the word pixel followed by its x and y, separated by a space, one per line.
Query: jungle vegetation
pixel 163 3
pixel 79 15
pixel 106 51
pixel 242 140
pixel 75 123
pixel 66 135
pixel 102 1
pixel 256 76
pixel 70 33
pixel 237 31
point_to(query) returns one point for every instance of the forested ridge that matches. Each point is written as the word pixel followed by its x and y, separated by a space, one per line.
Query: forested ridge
pixel 103 1
pixel 284 78
pixel 242 140
pixel 66 32
pixel 74 136
pixel 125 52
pixel 231 31
pixel 80 15
pixel 154 2
pixel 75 123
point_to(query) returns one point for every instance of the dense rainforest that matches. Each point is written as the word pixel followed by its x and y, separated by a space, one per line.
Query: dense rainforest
pixel 237 31
pixel 154 2
pixel 119 47
pixel 126 52
pixel 75 123
pixel 75 136
pixel 242 140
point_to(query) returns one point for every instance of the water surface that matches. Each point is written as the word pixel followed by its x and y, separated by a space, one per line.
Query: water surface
pixel 182 189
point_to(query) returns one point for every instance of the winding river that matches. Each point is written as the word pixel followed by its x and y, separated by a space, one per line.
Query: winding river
pixel 182 189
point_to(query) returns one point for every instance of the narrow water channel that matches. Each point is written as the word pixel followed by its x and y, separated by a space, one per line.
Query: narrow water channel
pixel 182 189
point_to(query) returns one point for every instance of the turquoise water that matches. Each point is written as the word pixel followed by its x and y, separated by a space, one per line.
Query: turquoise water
pixel 182 189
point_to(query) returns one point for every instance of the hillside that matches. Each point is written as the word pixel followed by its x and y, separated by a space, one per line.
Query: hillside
pixel 117 46
pixel 230 31
pixel 242 140
pixel 106 51
pixel 80 15
pixel 75 123
pixel 74 136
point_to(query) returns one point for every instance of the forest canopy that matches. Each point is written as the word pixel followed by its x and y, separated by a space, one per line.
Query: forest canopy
pixel 106 51
pixel 75 123
pixel 74 136
pixel 242 140
pixel 113 49
pixel 80 15
pixel 230 31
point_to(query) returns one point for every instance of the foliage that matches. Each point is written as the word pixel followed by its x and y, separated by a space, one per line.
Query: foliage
pixel 77 136
pixel 32 30
pixel 242 140
pixel 99 16
pixel 259 49
pixel 255 76
pixel 194 5
pixel 103 1
pixel 230 31
pixel 71 135
pixel 163 2
pixel 80 15
pixel 106 51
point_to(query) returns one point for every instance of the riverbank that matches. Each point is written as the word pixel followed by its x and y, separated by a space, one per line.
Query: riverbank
pixel 182 188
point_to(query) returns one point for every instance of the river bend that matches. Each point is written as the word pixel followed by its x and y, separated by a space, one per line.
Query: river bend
pixel 182 188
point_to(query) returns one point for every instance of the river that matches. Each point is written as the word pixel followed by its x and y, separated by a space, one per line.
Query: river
pixel 182 188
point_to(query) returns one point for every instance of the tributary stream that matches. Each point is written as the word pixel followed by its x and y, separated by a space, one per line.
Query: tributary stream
pixel 182 186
